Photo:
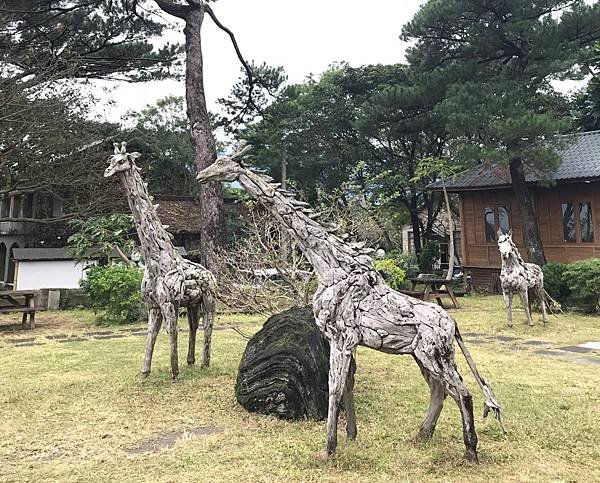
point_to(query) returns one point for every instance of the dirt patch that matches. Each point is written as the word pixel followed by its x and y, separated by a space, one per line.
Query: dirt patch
pixel 169 440
pixel 21 340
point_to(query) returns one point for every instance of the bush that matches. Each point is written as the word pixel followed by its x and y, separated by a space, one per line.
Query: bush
pixel 114 291
pixel 555 282
pixel 391 273
pixel 406 261
pixel 583 279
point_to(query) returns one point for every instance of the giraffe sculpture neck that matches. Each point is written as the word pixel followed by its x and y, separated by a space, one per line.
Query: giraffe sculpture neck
pixel 333 258
pixel 154 239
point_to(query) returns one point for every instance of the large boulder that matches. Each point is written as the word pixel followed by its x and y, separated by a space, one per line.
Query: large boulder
pixel 285 367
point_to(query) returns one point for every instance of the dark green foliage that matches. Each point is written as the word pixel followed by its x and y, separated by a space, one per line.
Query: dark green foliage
pixel 555 282
pixel 102 233
pixel 359 133
pixel 583 278
pixel 406 261
pixel 393 275
pixel 114 291
pixel 428 256
pixel 284 369
pixel 161 133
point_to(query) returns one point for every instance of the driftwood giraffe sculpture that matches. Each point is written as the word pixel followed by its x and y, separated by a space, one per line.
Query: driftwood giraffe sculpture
pixel 519 277
pixel 353 306
pixel 170 281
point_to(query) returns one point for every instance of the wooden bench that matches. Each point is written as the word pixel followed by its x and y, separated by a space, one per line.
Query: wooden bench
pixel 27 307
pixel 434 287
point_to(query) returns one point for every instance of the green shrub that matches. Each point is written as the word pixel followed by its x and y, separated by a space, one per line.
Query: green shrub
pixel 406 261
pixel 114 291
pixel 555 282
pixel 583 279
pixel 430 253
pixel 392 273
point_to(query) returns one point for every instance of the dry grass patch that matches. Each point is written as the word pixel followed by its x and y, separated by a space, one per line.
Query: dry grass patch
pixel 70 412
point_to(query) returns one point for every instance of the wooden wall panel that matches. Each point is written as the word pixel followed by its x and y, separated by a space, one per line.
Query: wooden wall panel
pixel 479 253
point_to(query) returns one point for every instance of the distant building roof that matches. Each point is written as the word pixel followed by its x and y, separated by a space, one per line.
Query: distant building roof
pixel 180 213
pixel 580 161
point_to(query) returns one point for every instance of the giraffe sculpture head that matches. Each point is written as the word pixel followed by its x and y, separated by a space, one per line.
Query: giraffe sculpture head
pixel 506 244
pixel 121 160
pixel 225 168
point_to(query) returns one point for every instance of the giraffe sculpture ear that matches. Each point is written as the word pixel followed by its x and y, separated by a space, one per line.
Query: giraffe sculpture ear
pixel 499 233
pixel 134 155
pixel 510 233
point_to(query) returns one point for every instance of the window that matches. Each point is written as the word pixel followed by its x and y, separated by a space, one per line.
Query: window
pixel 411 242
pixel 503 221
pixel 578 221
pixel 568 221
pixel 490 215
pixel 586 222
pixel 490 224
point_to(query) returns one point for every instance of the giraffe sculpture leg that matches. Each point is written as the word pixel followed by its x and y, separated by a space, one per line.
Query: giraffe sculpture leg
pixel 463 399
pixel 436 403
pixel 207 323
pixel 508 301
pixel 339 365
pixel 351 430
pixel 193 313
pixel 154 323
pixel 525 301
pixel 170 313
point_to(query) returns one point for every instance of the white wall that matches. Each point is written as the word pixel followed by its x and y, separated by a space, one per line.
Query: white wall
pixel 32 275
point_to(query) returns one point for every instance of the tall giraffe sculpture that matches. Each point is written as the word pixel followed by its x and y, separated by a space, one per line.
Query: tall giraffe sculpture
pixel 353 306
pixel 519 277
pixel 170 281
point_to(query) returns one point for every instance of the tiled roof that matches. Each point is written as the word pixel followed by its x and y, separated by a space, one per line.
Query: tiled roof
pixel 580 160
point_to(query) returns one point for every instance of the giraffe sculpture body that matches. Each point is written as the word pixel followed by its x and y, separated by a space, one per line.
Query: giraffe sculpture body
pixel 519 277
pixel 170 281
pixel 353 306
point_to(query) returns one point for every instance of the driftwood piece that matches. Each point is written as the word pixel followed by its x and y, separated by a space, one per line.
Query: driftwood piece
pixel 353 306
pixel 169 282
pixel 521 278
pixel 284 369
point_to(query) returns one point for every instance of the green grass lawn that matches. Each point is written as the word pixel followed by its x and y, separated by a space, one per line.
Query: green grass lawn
pixel 71 411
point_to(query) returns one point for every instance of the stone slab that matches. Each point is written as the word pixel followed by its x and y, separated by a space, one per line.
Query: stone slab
pixel 591 345
pixel 576 348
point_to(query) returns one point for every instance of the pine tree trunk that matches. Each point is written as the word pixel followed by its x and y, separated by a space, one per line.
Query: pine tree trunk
pixel 451 252
pixel 203 142
pixel 531 234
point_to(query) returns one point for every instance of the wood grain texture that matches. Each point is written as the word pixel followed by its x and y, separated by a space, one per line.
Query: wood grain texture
pixel 353 306
pixel 170 281
pixel 518 277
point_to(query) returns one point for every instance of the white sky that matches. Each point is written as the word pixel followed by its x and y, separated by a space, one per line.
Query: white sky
pixel 303 36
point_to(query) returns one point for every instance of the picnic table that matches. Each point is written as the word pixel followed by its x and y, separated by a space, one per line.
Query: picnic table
pixel 432 288
pixel 12 301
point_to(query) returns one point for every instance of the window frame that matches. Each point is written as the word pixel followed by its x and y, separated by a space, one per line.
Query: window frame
pixel 575 202
pixel 495 207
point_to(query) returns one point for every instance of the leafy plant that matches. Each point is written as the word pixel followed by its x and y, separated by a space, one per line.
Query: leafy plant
pixel 103 233
pixel 555 282
pixel 429 255
pixel 406 261
pixel 583 278
pixel 392 273
pixel 114 291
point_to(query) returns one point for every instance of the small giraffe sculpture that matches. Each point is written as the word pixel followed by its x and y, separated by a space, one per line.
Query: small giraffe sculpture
pixel 170 281
pixel 353 306
pixel 519 277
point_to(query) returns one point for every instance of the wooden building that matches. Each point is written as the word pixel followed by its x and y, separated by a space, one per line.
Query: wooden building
pixel 568 212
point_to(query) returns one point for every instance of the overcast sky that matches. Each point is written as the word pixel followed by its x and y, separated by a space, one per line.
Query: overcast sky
pixel 304 37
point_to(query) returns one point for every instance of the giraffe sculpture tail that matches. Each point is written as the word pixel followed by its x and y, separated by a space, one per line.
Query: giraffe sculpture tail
pixel 553 305
pixel 491 403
